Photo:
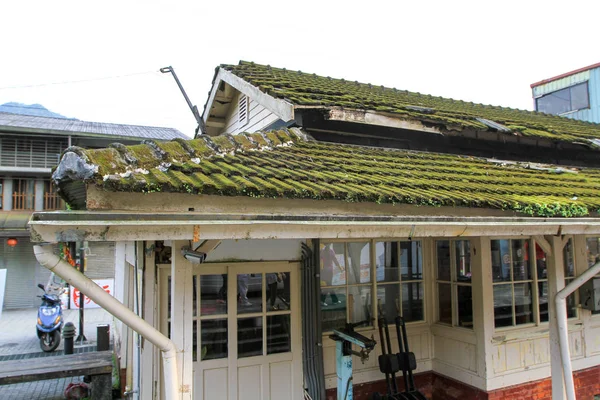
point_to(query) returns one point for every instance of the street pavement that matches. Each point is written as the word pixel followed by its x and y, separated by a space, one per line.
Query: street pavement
pixel 18 339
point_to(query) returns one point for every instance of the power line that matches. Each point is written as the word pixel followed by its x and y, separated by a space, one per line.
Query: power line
pixel 79 81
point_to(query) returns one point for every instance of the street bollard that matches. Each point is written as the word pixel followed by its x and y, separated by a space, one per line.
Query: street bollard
pixel 103 337
pixel 68 334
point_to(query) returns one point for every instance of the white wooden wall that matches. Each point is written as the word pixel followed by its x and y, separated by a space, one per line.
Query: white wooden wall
pixel 259 117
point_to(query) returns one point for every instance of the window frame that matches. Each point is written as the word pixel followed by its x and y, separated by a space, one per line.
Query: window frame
pixel 569 88
pixel 453 282
pixel 535 303
pixel 374 284
pixel 595 315
pixel 23 195
pixel 51 197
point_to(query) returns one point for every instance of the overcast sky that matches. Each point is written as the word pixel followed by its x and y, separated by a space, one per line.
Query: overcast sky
pixel 100 62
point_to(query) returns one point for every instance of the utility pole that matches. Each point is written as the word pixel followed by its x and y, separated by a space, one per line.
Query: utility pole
pixel 194 109
pixel 81 338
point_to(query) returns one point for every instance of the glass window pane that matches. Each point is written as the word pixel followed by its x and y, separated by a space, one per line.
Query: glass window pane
pixel 593 250
pixel 411 260
pixel 520 259
pixel 249 293
pixel 359 263
pixel 333 308
pixel 386 261
pixel 540 262
pixel 412 301
pixel 579 96
pixel 359 302
pixel 195 295
pixel 523 304
pixel 503 302
pixel 278 334
pixel 213 294
pixel 568 259
pixel 213 339
pixel 250 337
pixel 555 103
pixel 543 296
pixel 462 249
pixel 500 260
pixel 443 260
pixel 465 306
pixel 388 301
pixel 445 303
pixel 333 264
pixel 195 340
pixel 278 291
pixel 571 303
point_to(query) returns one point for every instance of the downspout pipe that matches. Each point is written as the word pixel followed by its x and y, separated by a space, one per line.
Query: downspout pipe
pixel 563 331
pixel 60 267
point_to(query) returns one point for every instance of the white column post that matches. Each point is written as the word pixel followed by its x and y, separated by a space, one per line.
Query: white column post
pixel 38 201
pixel 556 282
pixel 181 316
pixel 483 304
pixel 149 351
pixel 7 192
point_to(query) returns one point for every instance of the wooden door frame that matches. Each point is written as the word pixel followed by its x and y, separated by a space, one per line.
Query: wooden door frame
pixel 232 268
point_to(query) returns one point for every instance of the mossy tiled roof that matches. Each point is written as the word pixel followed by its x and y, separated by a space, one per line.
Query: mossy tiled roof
pixel 312 90
pixel 288 164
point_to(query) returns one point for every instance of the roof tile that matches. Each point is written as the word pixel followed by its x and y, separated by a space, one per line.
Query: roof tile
pixel 282 164
pixel 312 90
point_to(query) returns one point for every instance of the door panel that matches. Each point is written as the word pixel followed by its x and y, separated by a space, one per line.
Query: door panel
pixel 215 383
pixel 250 383
pixel 280 379
pixel 246 320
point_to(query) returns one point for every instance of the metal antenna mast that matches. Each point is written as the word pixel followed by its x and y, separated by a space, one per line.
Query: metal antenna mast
pixel 194 109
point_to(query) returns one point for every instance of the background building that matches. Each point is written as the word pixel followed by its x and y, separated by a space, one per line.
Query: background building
pixel 575 94
pixel 30 146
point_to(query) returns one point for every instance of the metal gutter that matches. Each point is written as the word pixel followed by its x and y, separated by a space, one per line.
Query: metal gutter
pixel 76 226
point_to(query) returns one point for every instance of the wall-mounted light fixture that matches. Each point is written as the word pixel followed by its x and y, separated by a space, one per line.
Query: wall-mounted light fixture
pixel 12 242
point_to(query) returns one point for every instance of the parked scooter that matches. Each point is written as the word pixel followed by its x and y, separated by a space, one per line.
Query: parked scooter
pixel 49 321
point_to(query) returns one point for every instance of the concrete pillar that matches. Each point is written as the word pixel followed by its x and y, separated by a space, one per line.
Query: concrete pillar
pixel 39 195
pixel 181 316
pixel 7 190
pixel 556 282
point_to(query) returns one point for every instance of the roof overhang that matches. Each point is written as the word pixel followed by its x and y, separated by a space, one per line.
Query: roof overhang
pixel 283 109
pixel 554 78
pixel 94 226
pixel 14 223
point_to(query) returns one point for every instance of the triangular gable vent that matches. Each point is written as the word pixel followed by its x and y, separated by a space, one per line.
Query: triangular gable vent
pixel 243 110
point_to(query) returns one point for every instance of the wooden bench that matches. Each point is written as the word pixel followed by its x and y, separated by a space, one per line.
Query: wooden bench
pixel 96 364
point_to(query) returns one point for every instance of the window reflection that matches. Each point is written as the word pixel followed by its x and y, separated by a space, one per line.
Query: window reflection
pixel 213 339
pixel 250 337
pixel 278 334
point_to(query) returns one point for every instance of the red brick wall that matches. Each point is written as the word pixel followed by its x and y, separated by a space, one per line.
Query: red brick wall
pixel 364 391
pixel 439 387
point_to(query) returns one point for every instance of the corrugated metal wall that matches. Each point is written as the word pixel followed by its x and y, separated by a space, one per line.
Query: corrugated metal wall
pixel 22 274
pixel 593 77
pixel 100 260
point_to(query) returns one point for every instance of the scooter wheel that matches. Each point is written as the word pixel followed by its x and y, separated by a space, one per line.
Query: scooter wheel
pixel 50 341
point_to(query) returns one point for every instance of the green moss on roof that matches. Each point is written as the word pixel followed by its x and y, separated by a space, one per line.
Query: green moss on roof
pixel 288 164
pixel 313 90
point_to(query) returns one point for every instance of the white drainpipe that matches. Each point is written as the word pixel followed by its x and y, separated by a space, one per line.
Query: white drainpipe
pixel 563 330
pixel 60 267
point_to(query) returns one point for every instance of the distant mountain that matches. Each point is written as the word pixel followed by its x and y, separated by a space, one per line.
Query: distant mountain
pixel 29 109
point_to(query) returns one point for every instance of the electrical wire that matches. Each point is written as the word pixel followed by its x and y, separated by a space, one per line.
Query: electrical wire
pixel 79 81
